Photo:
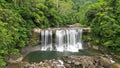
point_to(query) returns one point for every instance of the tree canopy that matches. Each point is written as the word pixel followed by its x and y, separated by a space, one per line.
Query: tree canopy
pixel 19 17
pixel 103 17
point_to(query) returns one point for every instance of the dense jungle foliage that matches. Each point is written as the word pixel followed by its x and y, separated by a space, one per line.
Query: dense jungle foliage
pixel 19 17
pixel 104 19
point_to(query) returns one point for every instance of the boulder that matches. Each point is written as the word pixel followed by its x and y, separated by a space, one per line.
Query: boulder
pixel 87 61
pixel 36 30
pixel 14 59
pixel 73 62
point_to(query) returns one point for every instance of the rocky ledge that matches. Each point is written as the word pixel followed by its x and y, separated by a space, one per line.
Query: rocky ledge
pixel 86 62
pixel 73 62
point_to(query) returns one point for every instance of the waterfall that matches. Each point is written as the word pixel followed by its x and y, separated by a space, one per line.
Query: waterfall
pixel 66 39
pixel 59 40
pixel 46 40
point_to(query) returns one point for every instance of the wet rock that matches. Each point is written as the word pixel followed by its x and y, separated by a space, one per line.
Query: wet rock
pixel 73 62
pixel 87 61
pixel 46 64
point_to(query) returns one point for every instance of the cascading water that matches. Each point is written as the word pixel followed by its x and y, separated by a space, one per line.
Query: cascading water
pixel 46 40
pixel 60 42
pixel 67 39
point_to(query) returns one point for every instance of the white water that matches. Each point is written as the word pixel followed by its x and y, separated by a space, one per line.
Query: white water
pixel 111 60
pixel 68 39
pixel 57 63
pixel 59 40
pixel 46 40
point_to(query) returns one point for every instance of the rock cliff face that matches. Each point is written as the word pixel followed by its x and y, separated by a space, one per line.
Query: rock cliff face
pixel 73 62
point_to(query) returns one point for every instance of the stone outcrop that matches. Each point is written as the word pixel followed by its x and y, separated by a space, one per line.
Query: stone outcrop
pixel 14 59
pixel 73 62
pixel 46 64
pixel 86 62
pixel 36 30
pixel 87 29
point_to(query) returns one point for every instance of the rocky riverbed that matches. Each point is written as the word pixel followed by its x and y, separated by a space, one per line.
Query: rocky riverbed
pixel 73 62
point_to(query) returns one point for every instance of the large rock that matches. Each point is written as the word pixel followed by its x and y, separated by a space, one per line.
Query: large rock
pixel 86 61
pixel 14 58
pixel 46 64
pixel 116 65
pixel 36 30
pixel 73 62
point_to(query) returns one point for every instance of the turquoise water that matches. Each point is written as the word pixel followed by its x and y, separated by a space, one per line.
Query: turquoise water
pixel 38 56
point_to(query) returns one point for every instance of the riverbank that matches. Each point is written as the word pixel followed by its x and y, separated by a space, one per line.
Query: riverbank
pixel 98 61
